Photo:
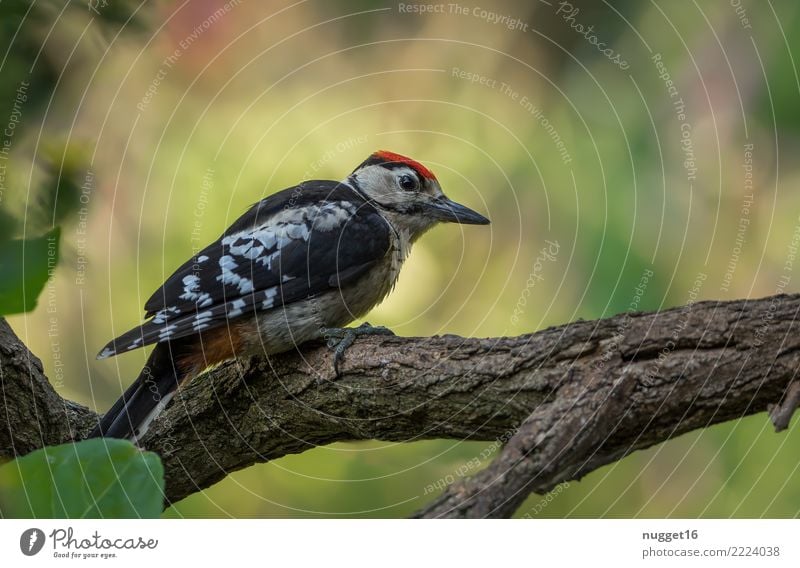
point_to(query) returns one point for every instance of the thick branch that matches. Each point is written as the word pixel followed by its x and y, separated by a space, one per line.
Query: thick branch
pixel 32 414
pixel 649 378
pixel 588 393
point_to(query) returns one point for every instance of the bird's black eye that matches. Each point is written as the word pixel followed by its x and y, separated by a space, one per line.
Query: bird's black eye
pixel 408 182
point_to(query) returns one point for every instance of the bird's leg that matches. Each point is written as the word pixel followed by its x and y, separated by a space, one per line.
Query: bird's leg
pixel 340 338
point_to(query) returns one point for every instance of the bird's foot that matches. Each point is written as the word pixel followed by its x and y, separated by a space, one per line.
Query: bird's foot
pixel 340 338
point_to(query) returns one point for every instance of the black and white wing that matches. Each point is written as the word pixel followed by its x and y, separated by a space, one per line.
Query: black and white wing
pixel 295 244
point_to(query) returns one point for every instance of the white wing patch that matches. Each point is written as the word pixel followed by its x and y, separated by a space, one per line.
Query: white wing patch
pixel 201 320
pixel 166 331
pixel 191 283
pixel 286 226
pixel 229 278
pixel 163 315
pixel 269 298
pixel 237 307
pixel 106 353
pixel 262 245
pixel 332 215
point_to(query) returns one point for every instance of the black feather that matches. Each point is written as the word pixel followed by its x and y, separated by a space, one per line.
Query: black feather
pixel 290 246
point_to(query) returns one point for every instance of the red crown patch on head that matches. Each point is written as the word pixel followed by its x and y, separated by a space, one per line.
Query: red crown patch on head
pixel 392 157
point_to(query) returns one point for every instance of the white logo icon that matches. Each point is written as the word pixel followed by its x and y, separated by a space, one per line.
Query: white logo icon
pixel 31 541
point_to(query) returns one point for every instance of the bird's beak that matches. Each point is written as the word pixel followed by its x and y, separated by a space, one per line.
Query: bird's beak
pixel 446 210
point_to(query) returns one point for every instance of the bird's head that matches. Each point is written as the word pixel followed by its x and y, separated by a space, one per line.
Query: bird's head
pixel 409 193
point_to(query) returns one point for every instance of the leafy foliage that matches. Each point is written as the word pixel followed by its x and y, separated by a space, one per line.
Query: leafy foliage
pixel 25 265
pixel 58 197
pixel 98 478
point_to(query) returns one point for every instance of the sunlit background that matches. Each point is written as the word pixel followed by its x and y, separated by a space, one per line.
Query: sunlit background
pixel 627 136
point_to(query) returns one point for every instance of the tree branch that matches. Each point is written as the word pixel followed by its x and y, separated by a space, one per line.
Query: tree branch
pixel 567 399
pixel 32 414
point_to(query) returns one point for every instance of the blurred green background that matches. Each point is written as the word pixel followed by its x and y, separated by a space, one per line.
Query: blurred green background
pixel 560 124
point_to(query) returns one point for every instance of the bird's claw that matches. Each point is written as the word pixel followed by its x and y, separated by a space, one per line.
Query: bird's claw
pixel 340 338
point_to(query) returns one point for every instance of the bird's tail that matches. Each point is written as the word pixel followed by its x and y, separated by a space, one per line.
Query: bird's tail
pixel 147 397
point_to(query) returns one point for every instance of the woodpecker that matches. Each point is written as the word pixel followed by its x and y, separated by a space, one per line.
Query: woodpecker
pixel 297 266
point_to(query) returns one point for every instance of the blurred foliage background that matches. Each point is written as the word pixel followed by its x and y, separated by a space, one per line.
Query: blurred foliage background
pixel 170 118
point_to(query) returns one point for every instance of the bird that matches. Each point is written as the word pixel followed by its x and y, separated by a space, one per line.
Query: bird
pixel 298 265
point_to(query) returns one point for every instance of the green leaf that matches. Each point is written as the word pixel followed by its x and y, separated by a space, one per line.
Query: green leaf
pixel 25 265
pixel 8 224
pixel 57 199
pixel 98 478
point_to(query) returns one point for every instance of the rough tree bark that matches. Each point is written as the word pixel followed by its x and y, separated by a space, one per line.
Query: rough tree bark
pixel 567 400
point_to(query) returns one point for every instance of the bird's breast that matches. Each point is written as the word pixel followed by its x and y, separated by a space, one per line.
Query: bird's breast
pixel 381 279
pixel 286 327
